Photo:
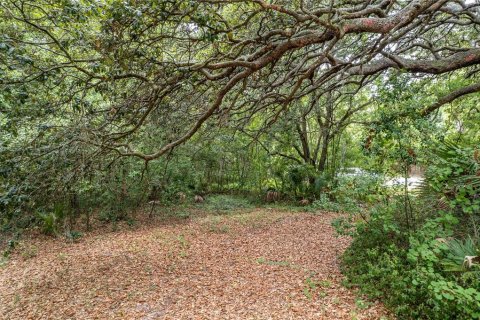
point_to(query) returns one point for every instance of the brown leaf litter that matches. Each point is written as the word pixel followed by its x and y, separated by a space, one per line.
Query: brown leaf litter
pixel 263 264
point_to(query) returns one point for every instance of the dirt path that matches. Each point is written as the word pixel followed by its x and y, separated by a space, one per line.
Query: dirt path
pixel 265 264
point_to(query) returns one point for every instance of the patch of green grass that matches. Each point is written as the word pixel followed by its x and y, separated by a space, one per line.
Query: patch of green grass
pixel 222 203
pixel 219 228
pixel 184 245
pixel 182 214
pixel 73 235
pixel 260 217
pixel 324 283
pixel 3 261
pixel 183 241
pixel 255 220
pixel 362 304
pixel 312 286
pixel 307 292
pixel 130 221
pixel 28 251
pixel 171 212
pixel 216 224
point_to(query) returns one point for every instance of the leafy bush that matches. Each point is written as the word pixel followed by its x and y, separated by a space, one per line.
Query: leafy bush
pixel 414 262
pixel 406 269
pixel 349 193
pixel 298 177
pixel 324 203
pixel 366 188
pixel 453 178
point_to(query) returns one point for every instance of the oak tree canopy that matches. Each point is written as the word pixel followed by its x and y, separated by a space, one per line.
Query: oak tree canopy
pixel 115 69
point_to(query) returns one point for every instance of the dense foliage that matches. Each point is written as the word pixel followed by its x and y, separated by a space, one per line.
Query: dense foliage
pixel 111 107
pixel 420 268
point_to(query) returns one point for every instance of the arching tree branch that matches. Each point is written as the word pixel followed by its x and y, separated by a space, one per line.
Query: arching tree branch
pixel 451 97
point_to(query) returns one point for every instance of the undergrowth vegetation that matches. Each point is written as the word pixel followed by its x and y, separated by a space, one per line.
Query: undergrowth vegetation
pixel 125 114
pixel 421 257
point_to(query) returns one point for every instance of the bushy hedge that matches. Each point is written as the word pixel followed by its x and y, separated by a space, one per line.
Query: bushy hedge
pixel 411 252
pixel 408 270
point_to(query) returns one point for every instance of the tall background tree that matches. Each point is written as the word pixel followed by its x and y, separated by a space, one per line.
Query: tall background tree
pixel 95 90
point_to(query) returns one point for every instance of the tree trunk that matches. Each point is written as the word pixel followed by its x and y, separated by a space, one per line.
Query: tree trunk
pixel 324 152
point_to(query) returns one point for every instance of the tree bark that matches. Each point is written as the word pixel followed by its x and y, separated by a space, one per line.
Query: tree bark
pixel 324 153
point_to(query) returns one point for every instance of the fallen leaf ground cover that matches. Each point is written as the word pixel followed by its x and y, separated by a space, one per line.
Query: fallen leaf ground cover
pixel 253 264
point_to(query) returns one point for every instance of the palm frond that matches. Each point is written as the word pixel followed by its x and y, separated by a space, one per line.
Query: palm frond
pixel 457 251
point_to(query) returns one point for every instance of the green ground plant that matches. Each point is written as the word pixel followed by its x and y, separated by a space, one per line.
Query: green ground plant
pixel 420 268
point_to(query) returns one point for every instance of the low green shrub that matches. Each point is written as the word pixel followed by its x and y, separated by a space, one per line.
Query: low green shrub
pixel 366 188
pixel 406 268
pixel 73 235
pixel 324 203
pixel 350 193
pixel 50 221
pixel 416 253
